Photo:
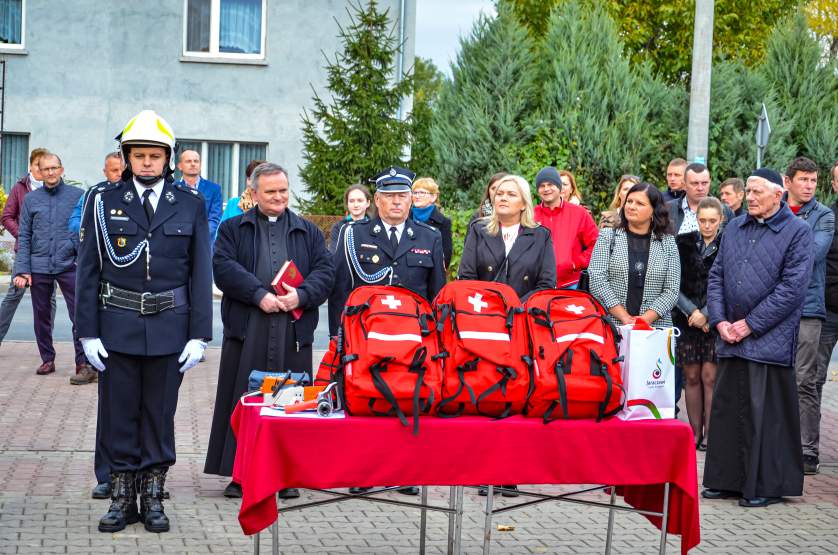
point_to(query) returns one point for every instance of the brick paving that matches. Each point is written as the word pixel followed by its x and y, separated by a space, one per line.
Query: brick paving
pixel 47 429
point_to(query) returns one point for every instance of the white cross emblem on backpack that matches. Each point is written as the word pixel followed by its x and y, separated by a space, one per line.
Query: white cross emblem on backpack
pixel 392 302
pixel 477 302
pixel 575 309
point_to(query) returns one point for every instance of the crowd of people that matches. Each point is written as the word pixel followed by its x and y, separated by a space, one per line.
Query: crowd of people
pixel 135 257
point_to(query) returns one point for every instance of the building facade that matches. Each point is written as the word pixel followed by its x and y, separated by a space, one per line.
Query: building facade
pixel 231 76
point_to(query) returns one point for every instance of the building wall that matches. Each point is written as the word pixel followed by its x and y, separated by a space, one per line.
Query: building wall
pixel 92 64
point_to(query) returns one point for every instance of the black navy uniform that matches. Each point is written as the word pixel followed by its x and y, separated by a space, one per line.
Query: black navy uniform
pixel 416 263
pixel 144 299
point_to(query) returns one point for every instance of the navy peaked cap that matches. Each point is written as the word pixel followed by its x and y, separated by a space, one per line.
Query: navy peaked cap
pixel 394 180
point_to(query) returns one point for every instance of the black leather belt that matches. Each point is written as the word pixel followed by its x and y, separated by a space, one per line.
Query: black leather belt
pixel 144 303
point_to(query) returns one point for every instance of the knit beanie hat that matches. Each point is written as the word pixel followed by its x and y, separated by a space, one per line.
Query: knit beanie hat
pixel 550 175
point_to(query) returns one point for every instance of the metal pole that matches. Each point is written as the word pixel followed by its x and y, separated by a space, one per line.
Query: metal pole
pixel 458 522
pixel 423 521
pixel 665 520
pixel 256 549
pixel 452 503
pixel 275 537
pixel 610 521
pixel 699 122
pixel 487 527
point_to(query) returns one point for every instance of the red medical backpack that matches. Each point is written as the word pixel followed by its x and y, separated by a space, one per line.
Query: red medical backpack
pixel 486 364
pixel 574 349
pixel 389 354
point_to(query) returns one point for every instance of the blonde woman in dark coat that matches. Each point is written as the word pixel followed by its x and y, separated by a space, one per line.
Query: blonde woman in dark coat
pixel 508 246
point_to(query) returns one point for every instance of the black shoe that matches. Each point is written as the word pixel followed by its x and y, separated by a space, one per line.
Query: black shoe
pixel 759 502
pixel 409 490
pixel 288 493
pixel 719 494
pixel 123 509
pixel 357 490
pixel 702 445
pixel 102 491
pixel 510 491
pixel 810 465
pixel 152 512
pixel 233 490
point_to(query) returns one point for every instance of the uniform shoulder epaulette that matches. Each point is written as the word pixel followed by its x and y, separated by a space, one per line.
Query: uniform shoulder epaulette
pixel 425 225
pixel 187 189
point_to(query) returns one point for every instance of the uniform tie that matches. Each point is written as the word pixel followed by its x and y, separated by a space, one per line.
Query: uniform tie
pixel 149 210
pixel 394 239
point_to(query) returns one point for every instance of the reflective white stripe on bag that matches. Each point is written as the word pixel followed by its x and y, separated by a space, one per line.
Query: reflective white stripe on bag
pixel 574 336
pixel 488 335
pixel 395 336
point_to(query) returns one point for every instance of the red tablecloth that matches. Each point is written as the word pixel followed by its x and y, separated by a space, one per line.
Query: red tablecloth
pixel 276 453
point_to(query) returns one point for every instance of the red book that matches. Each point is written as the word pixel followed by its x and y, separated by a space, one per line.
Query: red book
pixel 290 274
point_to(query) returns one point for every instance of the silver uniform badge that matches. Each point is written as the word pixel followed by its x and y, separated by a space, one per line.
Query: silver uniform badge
pixel 392 172
pixel 377 228
pixel 128 196
pixel 410 232
pixel 170 197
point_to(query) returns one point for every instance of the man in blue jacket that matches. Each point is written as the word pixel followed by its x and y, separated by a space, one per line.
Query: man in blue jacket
pixel 47 256
pixel 190 167
pixel 755 303
pixel 801 181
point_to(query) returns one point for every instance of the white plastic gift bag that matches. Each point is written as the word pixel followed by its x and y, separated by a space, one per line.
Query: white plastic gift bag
pixel 648 371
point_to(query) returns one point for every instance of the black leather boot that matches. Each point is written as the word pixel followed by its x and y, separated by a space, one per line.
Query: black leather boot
pixel 151 500
pixel 123 509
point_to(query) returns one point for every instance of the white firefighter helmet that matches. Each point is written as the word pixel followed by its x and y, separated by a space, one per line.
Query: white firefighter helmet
pixel 148 128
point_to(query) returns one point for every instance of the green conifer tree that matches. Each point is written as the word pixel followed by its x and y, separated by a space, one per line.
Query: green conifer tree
pixel 428 81
pixel 737 96
pixel 600 106
pixel 355 132
pixel 806 86
pixel 484 108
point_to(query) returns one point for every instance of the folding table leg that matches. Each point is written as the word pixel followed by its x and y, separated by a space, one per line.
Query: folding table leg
pixel 487 527
pixel 665 520
pixel 610 521
pixel 275 537
pixel 256 543
pixel 423 521
pixel 458 522
pixel 452 504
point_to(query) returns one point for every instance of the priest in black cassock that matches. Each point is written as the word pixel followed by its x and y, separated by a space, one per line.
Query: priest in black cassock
pixel 259 330
pixel 755 298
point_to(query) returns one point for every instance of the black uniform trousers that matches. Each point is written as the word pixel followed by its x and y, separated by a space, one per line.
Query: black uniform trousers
pixel 143 392
pixel 101 459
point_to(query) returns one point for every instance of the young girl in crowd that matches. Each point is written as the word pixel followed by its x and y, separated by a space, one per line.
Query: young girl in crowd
pixel 696 346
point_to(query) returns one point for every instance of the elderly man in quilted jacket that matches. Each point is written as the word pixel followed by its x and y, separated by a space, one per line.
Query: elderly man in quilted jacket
pixel 755 298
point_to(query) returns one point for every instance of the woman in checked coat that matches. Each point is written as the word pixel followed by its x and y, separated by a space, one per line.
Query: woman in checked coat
pixel 635 271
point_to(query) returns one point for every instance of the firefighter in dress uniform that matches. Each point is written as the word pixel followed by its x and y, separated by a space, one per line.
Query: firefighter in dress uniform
pixel 144 313
pixel 390 249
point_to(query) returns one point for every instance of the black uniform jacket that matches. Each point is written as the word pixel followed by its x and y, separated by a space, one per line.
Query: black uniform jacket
pixel 234 265
pixel 531 264
pixel 179 252
pixel 417 262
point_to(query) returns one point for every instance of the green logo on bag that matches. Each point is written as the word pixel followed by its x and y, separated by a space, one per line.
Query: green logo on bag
pixel 645 403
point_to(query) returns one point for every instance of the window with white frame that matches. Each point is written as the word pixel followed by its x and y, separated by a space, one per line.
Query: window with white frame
pixel 12 24
pixel 224 163
pixel 224 29
pixel 15 159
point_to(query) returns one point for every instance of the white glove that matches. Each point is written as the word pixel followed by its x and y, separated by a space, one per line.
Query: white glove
pixel 192 353
pixel 93 349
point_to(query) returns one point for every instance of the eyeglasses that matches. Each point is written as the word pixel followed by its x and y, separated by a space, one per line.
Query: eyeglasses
pixel 422 194
pixel 628 177
pixel 51 169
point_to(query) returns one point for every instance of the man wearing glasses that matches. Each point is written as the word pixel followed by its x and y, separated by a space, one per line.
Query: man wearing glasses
pixel 46 256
